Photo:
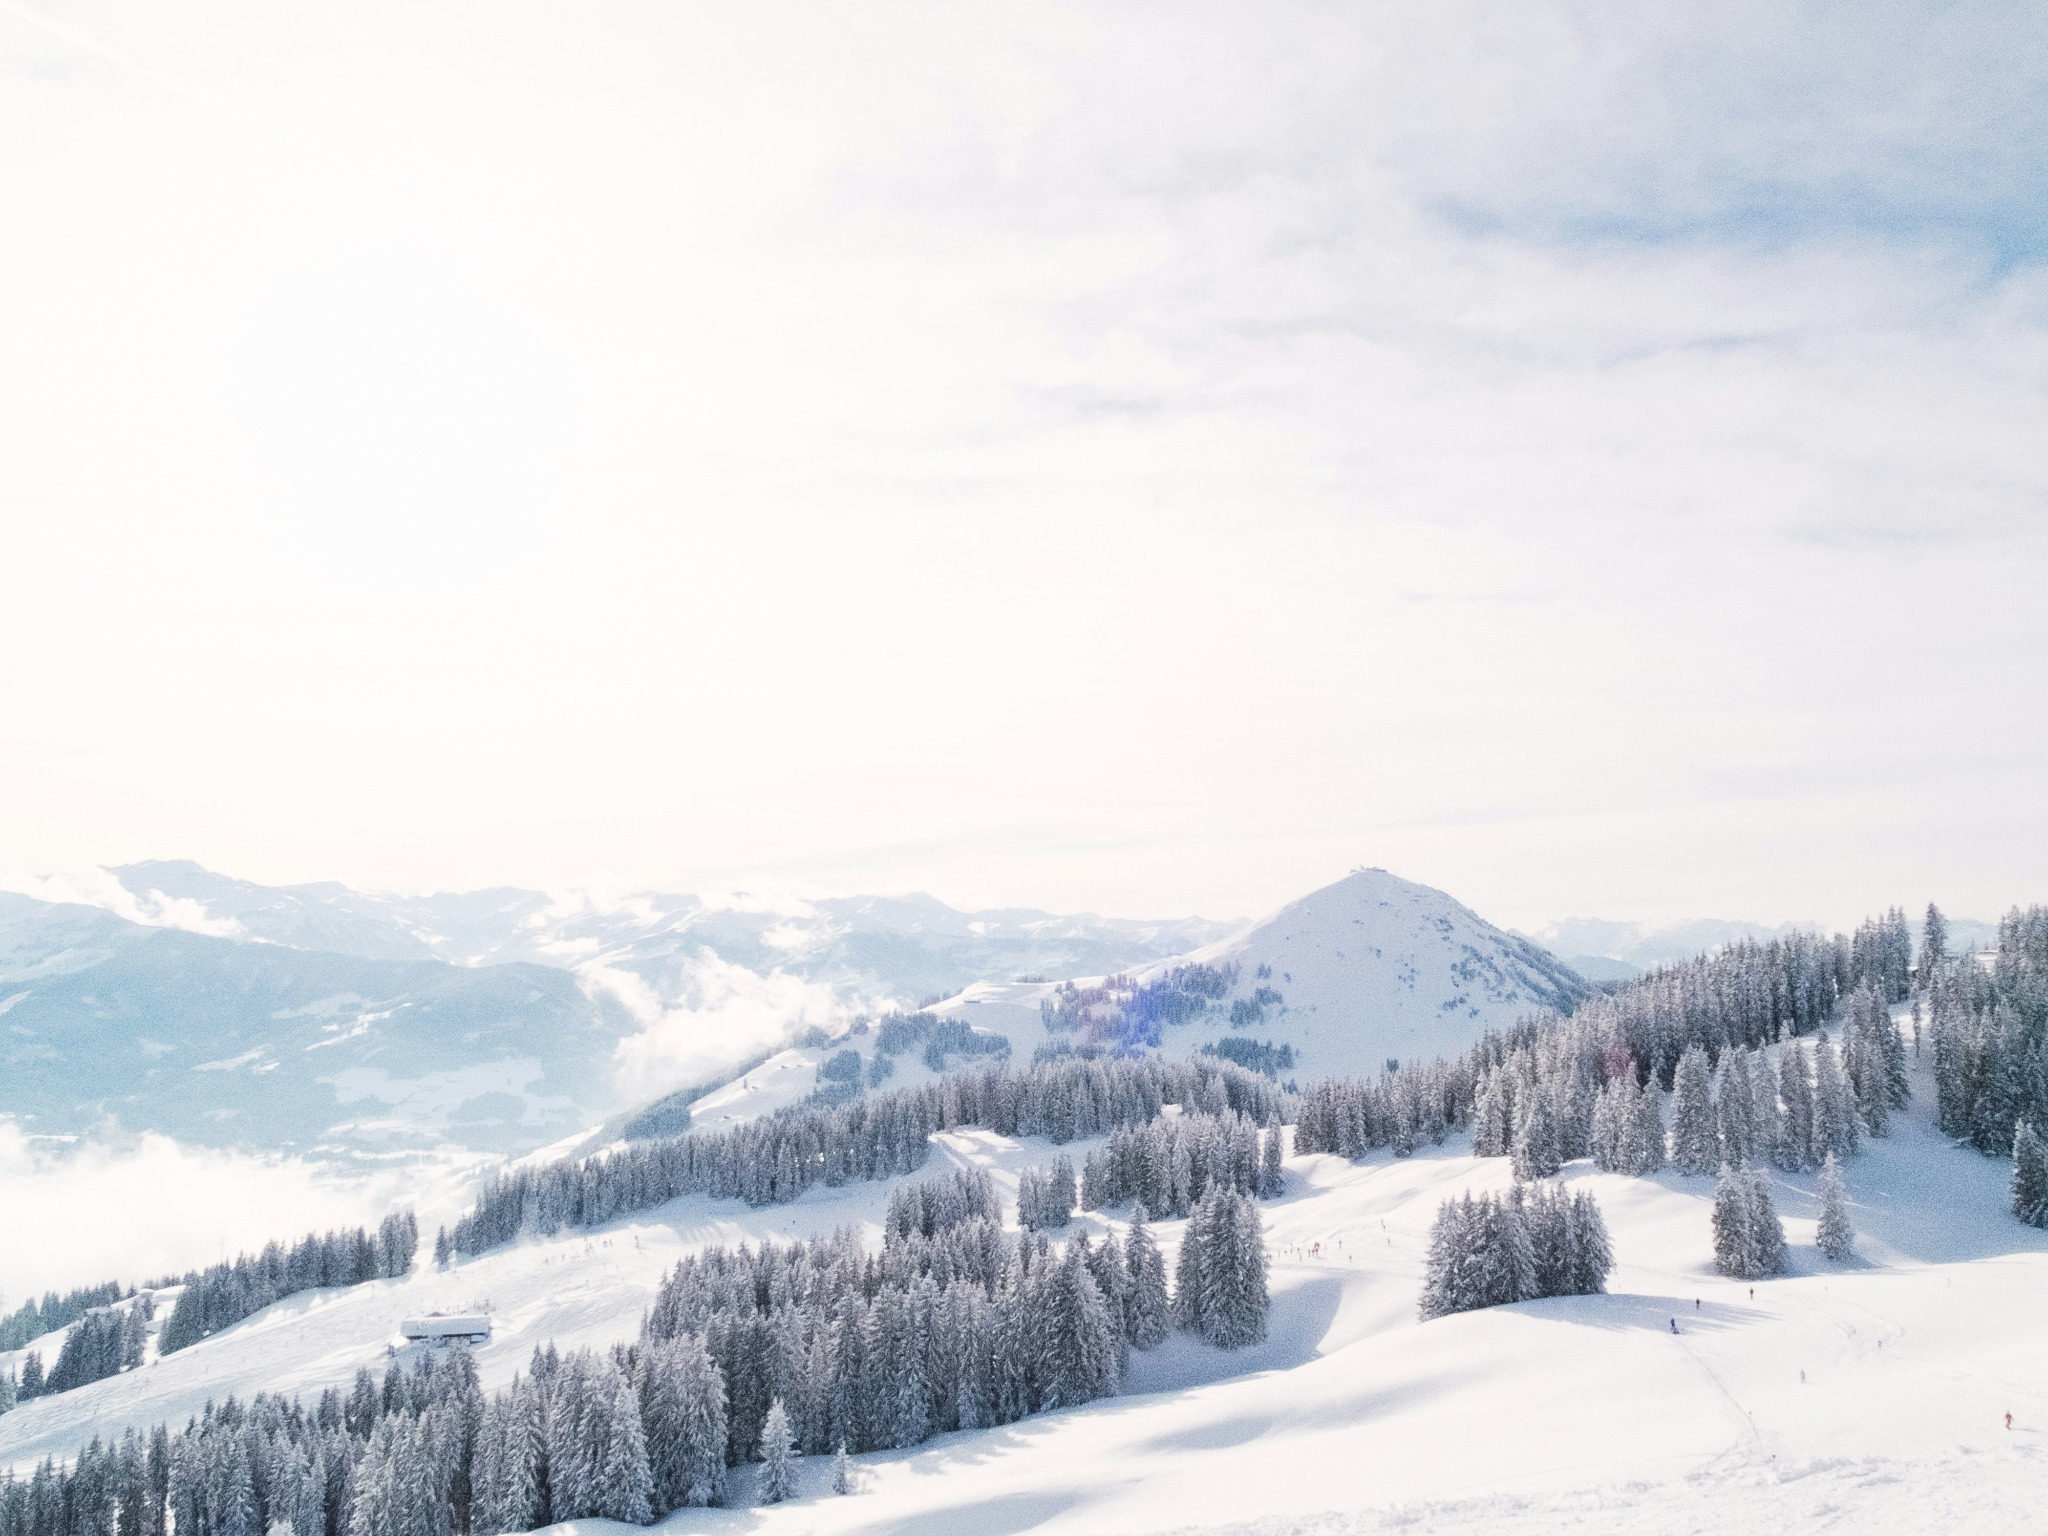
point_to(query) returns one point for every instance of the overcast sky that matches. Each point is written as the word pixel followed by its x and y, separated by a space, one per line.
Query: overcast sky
pixel 1143 458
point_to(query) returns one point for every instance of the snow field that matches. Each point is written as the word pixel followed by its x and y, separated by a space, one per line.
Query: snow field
pixel 1575 1413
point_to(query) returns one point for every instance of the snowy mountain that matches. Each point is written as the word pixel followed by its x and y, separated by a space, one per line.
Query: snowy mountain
pixel 316 1017
pixel 1868 1395
pixel 1375 966
pixel 1369 968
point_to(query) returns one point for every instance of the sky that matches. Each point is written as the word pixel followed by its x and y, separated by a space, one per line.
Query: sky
pixel 1149 459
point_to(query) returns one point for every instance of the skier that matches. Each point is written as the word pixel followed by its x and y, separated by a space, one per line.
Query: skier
pixel 1674 1325
pixel 2008 1419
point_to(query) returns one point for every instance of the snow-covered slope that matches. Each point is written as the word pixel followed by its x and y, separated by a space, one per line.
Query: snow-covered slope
pixel 1866 1397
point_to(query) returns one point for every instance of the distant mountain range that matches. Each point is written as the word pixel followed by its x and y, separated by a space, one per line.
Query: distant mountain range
pixel 318 1018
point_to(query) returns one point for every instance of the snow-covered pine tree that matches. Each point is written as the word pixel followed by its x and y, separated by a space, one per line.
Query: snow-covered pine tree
pixel 1611 1128
pixel 842 1468
pixel 682 1405
pixel 571 1494
pixel 1083 1347
pixel 1767 1120
pixel 1836 1238
pixel 1837 1127
pixel 1272 1172
pixel 1732 1244
pixel 1890 1049
pixel 1506 1267
pixel 1493 1117
pixel 1695 1140
pixel 1235 1312
pixel 1546 1215
pixel 2029 1175
pixel 1735 1108
pixel 1030 1199
pixel 1537 1153
pixel 1147 1315
pixel 1060 1193
pixel 1591 1253
pixel 1190 1270
pixel 1795 1091
pixel 1646 1142
pixel 1449 1279
pixel 1933 944
pixel 1866 1022
pixel 778 1455
pixel 1768 1253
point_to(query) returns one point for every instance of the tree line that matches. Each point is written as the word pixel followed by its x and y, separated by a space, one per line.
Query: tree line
pixel 880 1135
pixel 223 1294
pixel 1120 1013
pixel 32 1319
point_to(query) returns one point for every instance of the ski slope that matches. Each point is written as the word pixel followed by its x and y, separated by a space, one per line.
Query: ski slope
pixel 1581 1414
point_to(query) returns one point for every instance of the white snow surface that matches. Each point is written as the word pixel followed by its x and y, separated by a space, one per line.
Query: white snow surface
pixel 1584 1414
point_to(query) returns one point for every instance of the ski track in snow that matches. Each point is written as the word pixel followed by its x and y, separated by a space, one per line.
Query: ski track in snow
pixel 1580 1414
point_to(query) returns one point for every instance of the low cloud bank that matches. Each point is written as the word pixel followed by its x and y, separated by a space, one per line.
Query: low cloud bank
pixel 85 1212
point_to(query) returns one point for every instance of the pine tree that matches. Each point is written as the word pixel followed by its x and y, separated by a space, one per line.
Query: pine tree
pixel 1732 1243
pixel 842 1468
pixel 1933 944
pixel 1767 1120
pixel 1147 1315
pixel 1735 1108
pixel 1060 1193
pixel 1190 1267
pixel 1083 1348
pixel 1449 1281
pixel 1695 1140
pixel 1836 1238
pixel 2029 1176
pixel 778 1455
pixel 1768 1254
pixel 1272 1173
pixel 1590 1251
pixel 1505 1271
pixel 1537 1152
pixel 1611 1128
pixel 1493 1117
pixel 1795 1088
pixel 1646 1141
pixel 615 1451
pixel 1234 1312
pixel 572 1478
pixel 1836 1126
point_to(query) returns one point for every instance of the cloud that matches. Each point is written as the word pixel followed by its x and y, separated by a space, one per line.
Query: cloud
pixel 102 888
pixel 152 1206
pixel 725 1015
pixel 991 405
